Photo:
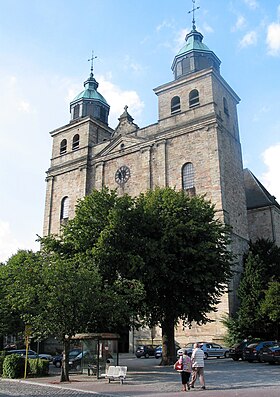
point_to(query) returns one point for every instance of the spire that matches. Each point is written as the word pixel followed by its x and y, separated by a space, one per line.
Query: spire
pixel 193 10
pixel 91 65
pixel 90 102
pixel 194 55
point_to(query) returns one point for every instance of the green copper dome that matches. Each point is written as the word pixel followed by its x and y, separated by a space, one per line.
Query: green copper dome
pixel 194 56
pixel 90 102
pixel 90 91
pixel 194 43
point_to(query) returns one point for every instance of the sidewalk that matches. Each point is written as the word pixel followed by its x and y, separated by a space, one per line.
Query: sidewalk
pixel 145 378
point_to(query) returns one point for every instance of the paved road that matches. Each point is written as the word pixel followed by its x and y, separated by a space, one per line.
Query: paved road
pixel 224 377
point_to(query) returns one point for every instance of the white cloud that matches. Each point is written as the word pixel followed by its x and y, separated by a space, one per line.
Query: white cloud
pixel 273 38
pixel 130 64
pixel 165 24
pixel 207 28
pixel 240 23
pixel 270 178
pixel 253 4
pixel 118 98
pixel 9 245
pixel 250 38
pixel 24 106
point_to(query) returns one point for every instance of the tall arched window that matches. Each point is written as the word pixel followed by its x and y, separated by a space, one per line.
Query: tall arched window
pixel 63 146
pixel 76 142
pixel 188 178
pixel 64 209
pixel 175 104
pixel 193 98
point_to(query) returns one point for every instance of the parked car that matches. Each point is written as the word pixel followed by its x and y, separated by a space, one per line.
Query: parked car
pixel 158 350
pixel 271 354
pixel 145 351
pixel 236 351
pixel 210 349
pixel 57 360
pixel 252 352
pixel 31 354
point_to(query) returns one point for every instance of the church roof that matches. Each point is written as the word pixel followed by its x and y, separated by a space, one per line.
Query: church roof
pixel 256 194
pixel 90 91
pixel 194 43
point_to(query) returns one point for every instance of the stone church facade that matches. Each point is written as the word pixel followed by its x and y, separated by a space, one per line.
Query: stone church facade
pixel 194 146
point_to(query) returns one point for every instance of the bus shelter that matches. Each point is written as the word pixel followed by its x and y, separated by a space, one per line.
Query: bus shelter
pixel 99 351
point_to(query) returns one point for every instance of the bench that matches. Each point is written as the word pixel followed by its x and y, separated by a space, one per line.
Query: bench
pixel 115 372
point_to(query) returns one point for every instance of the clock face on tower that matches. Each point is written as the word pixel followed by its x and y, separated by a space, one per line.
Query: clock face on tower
pixel 122 174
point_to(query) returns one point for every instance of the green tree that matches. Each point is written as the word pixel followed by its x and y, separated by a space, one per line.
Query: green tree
pixel 270 306
pixel 253 318
pixel 175 246
pixel 59 294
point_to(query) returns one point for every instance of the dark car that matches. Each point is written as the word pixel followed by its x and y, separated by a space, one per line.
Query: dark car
pixel 271 354
pixel 252 352
pixel 57 360
pixel 236 351
pixel 145 351
pixel 158 350
pixel 22 352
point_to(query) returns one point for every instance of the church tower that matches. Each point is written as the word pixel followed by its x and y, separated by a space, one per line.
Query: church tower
pixel 69 176
pixel 193 146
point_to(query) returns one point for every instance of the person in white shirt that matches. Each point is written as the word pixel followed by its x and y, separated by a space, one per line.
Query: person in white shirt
pixel 197 359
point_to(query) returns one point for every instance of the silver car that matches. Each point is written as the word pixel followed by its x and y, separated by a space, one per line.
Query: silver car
pixel 210 349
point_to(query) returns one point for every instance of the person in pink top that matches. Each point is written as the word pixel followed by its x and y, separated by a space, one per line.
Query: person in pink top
pixel 186 370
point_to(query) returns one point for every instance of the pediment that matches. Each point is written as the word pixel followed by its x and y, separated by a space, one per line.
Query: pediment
pixel 121 143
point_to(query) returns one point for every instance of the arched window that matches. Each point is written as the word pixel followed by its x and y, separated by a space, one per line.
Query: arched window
pixel 188 178
pixel 76 142
pixel 64 209
pixel 225 106
pixel 63 146
pixel 175 104
pixel 193 98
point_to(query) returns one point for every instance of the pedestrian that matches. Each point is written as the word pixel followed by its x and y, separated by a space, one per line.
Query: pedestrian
pixel 185 368
pixel 197 360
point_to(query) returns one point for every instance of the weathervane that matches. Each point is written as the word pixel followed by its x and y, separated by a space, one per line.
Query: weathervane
pixel 193 10
pixel 91 59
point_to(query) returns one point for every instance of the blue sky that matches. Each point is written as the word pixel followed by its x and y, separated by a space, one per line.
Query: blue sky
pixel 45 46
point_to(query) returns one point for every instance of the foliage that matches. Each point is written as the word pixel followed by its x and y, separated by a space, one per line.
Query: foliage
pixel 234 333
pixel 176 247
pixel 258 292
pixel 2 358
pixel 38 367
pixel 271 303
pixel 10 321
pixel 13 366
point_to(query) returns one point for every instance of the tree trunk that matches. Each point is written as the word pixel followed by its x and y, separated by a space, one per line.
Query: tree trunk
pixel 168 342
pixel 64 375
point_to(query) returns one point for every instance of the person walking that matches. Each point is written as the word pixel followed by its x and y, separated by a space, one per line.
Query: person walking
pixel 197 360
pixel 185 369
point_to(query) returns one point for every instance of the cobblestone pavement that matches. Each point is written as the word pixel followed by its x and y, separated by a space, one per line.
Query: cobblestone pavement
pixel 145 378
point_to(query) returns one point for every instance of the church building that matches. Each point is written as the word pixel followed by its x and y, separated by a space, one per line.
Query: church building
pixel 194 146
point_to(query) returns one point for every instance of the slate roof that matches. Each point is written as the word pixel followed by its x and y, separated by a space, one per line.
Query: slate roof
pixel 256 194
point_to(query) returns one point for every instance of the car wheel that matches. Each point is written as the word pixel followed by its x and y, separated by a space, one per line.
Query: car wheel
pixel 226 354
pixel 147 355
pixel 58 364
pixel 250 361
pixel 235 358
pixel 205 356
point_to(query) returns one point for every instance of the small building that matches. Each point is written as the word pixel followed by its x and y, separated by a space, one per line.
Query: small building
pixel 99 350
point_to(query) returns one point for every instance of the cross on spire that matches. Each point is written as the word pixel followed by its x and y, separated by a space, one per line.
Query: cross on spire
pixel 193 10
pixel 91 59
